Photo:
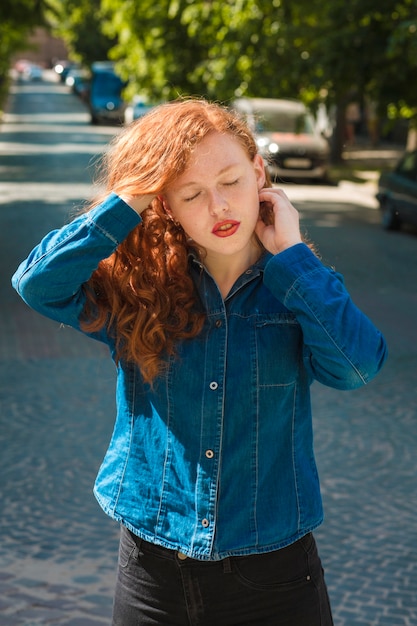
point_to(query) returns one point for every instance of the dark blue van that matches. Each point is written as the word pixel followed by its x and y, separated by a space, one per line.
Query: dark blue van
pixel 105 97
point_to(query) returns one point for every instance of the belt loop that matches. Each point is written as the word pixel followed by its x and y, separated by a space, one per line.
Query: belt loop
pixel 227 566
pixel 138 540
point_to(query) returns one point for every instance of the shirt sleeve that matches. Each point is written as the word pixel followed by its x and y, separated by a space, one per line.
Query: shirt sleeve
pixel 342 348
pixel 50 280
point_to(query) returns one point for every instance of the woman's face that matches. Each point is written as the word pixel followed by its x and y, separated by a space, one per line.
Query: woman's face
pixel 216 199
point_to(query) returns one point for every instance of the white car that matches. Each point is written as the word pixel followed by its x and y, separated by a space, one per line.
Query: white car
pixel 287 137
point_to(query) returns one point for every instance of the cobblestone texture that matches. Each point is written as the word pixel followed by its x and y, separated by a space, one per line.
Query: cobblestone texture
pixel 58 550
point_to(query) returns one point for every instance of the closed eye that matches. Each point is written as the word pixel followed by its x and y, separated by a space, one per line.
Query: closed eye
pixel 190 198
pixel 227 184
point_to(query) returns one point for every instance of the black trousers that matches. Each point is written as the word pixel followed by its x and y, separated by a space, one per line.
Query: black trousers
pixel 160 586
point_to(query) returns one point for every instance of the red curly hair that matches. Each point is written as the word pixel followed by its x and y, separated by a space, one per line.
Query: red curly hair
pixel 143 292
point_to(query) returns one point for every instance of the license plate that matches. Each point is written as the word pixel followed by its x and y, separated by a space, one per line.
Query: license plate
pixel 298 163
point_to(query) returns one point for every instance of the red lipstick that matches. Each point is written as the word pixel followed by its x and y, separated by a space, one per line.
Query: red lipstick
pixel 226 228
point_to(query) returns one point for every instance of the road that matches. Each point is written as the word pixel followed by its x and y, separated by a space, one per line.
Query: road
pixel 58 550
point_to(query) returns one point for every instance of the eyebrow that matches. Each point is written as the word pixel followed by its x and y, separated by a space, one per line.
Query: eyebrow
pixel 222 171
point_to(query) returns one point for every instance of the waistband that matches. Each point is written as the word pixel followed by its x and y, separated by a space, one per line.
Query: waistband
pixel 166 553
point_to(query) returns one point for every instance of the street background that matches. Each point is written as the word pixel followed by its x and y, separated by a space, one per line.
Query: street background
pixel 58 550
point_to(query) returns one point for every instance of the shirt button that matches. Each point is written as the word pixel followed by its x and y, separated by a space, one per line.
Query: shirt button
pixel 214 385
pixel 205 522
pixel 218 323
pixel 209 454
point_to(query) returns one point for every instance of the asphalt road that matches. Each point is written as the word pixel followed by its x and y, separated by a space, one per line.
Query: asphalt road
pixel 57 549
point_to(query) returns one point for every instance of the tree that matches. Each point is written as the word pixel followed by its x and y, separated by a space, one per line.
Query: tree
pixel 17 19
pixel 218 48
pixel 317 51
pixel 368 48
pixel 79 24
pixel 323 50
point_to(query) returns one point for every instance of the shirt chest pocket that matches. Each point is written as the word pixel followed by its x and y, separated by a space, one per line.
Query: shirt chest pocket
pixel 278 345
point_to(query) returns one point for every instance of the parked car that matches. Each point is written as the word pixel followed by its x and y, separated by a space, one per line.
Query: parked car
pixel 397 193
pixel 105 99
pixel 78 79
pixel 62 68
pixel 287 137
pixel 28 71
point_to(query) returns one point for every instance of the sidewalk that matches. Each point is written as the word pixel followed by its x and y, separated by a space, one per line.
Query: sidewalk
pixel 385 154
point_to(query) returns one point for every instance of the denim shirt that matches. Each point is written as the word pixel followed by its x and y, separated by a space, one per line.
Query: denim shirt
pixel 216 459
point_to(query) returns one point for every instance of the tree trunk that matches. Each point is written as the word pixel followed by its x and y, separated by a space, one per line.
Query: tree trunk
pixel 338 136
pixel 412 137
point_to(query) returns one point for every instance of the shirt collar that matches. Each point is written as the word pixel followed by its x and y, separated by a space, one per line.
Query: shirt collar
pixel 199 271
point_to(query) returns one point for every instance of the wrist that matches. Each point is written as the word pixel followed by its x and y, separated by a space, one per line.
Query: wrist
pixel 137 203
pixel 289 243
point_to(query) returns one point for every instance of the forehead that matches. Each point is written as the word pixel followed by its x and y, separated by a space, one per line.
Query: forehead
pixel 216 152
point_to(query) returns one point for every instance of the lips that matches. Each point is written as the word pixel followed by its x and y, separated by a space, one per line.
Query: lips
pixel 225 228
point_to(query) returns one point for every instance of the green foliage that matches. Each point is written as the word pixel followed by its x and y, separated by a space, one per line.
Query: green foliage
pixel 79 24
pixel 17 19
pixel 22 13
pixel 275 48
pixel 219 49
pixel 326 50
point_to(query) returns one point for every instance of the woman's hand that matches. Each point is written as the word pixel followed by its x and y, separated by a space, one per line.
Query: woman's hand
pixel 137 203
pixel 285 231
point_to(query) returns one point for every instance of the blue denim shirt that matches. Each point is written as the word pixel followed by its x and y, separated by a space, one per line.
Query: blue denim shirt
pixel 217 458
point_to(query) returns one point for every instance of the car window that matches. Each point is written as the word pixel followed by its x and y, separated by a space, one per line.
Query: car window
pixel 284 122
pixel 106 84
pixel 408 166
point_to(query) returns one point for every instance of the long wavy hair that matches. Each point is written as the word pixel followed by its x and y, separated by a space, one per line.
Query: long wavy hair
pixel 143 292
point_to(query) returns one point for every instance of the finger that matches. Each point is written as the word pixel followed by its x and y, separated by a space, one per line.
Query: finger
pixel 273 192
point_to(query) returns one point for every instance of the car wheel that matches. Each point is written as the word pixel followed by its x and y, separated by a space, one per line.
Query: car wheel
pixel 390 217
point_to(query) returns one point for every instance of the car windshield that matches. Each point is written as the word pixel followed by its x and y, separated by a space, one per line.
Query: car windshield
pixel 270 121
pixel 107 84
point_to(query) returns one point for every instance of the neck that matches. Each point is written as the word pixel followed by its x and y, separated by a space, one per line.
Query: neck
pixel 227 269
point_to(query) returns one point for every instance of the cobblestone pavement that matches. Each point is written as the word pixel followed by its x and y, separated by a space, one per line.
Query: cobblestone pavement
pixel 58 550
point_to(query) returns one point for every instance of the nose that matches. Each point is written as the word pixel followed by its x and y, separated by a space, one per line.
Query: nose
pixel 217 203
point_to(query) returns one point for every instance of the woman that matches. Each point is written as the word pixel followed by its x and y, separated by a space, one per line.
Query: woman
pixel 193 271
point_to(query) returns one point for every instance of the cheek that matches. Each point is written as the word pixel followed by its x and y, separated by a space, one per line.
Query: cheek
pixel 187 220
pixel 189 216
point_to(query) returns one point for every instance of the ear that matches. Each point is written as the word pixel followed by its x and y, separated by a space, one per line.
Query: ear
pixel 167 210
pixel 259 167
pixel 165 205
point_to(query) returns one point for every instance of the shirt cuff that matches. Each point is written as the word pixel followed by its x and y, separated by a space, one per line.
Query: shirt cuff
pixel 284 269
pixel 114 218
